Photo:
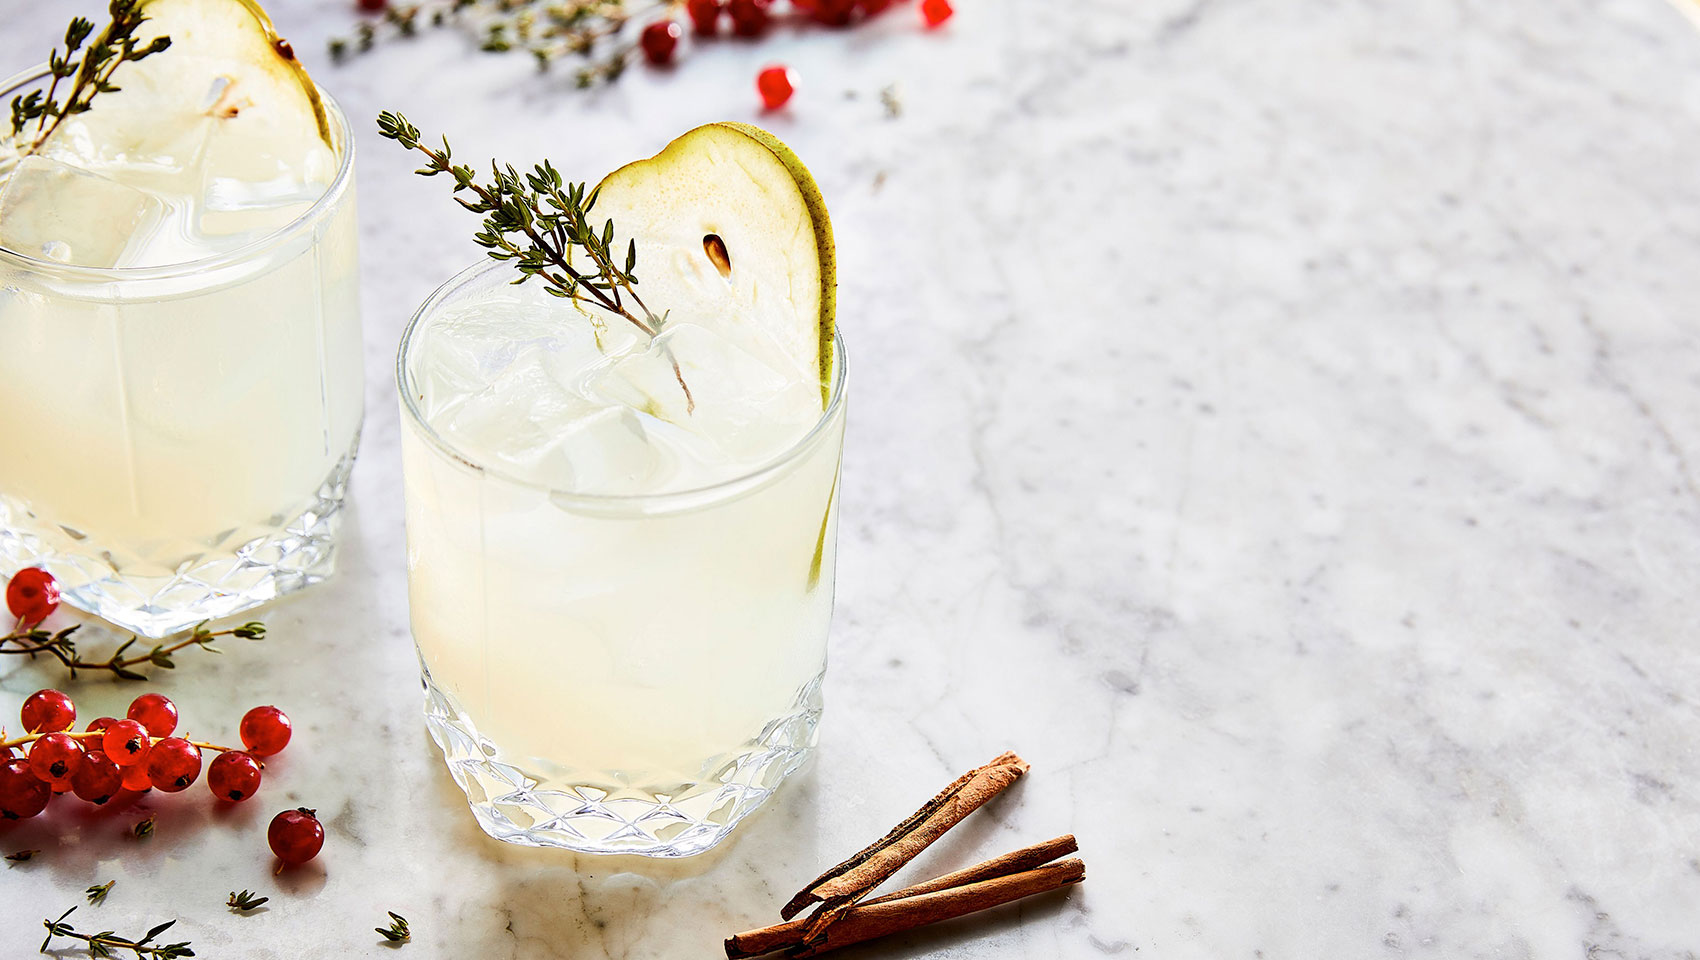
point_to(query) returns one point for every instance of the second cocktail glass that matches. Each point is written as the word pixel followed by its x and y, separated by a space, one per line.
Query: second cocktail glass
pixel 178 438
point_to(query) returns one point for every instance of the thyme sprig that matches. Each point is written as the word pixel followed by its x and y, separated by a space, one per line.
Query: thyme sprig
pixel 107 942
pixel 244 901
pixel 551 216
pixel 537 221
pixel 89 75
pixel 60 645
pixel 549 30
pixel 97 893
pixel 21 856
pixel 397 931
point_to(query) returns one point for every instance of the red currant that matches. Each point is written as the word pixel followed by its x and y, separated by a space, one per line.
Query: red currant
pixel 776 86
pixel 296 836
pixel 97 778
pixel 47 711
pixel 21 795
pixel 100 723
pixel 136 779
pixel 658 41
pixel 126 742
pixel 32 595
pixel 705 16
pixel 935 12
pixel 265 731
pixel 233 775
pixel 749 17
pixel 155 712
pixel 373 6
pixel 54 758
pixel 834 13
pixel 173 764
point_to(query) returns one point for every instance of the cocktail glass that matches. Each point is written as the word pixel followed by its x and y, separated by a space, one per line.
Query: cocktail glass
pixel 177 440
pixel 617 673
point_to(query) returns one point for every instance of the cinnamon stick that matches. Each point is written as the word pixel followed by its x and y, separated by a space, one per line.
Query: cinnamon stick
pixel 1013 862
pixel 869 921
pixel 792 933
pixel 849 881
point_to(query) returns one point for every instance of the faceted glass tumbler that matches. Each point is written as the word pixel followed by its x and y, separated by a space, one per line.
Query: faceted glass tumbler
pixel 617 674
pixel 177 440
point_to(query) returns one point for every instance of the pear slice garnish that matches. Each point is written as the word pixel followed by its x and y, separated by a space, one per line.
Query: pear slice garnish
pixel 733 235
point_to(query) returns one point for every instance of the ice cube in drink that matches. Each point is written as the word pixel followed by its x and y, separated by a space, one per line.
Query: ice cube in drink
pixel 54 211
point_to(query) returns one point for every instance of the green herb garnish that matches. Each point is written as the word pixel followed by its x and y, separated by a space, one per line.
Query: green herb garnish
pixel 89 75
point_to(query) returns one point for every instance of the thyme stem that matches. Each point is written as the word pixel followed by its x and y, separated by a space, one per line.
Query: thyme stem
pixel 104 943
pixel 115 46
pixel 61 647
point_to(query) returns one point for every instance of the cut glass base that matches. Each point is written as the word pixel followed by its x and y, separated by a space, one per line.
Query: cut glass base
pixel 235 572
pixel 516 807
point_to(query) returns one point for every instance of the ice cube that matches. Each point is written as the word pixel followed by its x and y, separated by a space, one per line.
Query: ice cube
pixel 246 189
pixel 511 403
pixel 743 407
pixel 607 451
pixel 53 210
pixel 474 347
pixel 135 140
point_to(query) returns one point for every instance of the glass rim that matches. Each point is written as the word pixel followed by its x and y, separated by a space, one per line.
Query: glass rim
pixel 257 247
pixel 644 503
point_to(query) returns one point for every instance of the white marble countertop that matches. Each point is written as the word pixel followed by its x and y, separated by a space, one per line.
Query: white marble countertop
pixel 1279 421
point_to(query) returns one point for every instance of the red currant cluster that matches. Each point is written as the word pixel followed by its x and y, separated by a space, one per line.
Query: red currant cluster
pixel 751 18
pixel 133 755
pixel 122 759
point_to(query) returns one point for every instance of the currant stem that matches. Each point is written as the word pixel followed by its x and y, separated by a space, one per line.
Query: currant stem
pixel 33 737
pixel 94 734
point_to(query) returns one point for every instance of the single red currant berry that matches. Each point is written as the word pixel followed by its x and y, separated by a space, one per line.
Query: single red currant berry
pixel 155 712
pixel 136 779
pixel 33 595
pixel 126 742
pixel 659 39
pixel 776 86
pixel 233 775
pixel 22 795
pixel 749 17
pixel 265 731
pixel 173 764
pixel 97 778
pixel 296 836
pixel 100 723
pixel 54 758
pixel 935 12
pixel 705 16
pixel 47 711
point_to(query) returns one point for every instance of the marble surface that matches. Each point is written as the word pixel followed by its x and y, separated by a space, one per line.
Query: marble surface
pixel 1279 421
